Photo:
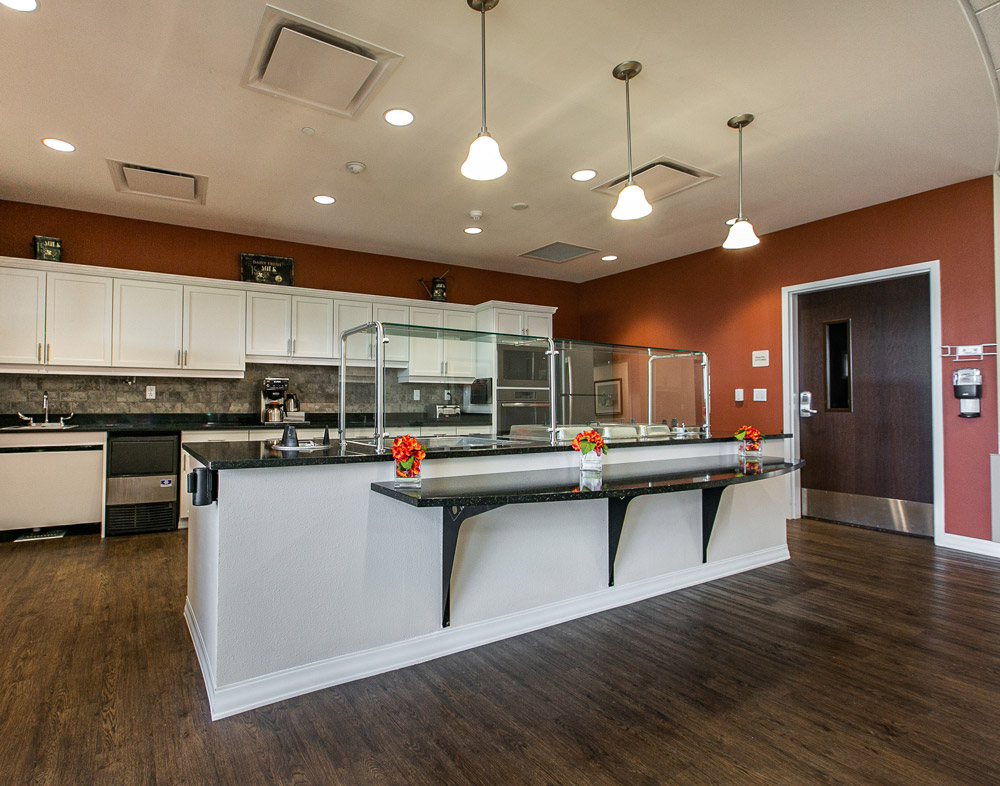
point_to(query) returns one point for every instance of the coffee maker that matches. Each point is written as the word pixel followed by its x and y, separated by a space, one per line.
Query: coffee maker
pixel 272 399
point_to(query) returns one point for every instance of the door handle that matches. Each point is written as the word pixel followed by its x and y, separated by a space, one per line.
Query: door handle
pixel 185 357
pixel 805 404
pixel 178 358
pixel 39 353
pixel 46 353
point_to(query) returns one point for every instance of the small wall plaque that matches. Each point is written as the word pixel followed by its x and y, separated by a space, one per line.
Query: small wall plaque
pixel 760 357
pixel 49 248
pixel 263 269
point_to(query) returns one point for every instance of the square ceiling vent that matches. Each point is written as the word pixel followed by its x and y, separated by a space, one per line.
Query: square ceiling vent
pixel 162 183
pixel 660 178
pixel 303 61
pixel 558 252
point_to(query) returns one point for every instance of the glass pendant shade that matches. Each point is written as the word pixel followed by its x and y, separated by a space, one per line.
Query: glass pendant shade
pixel 631 204
pixel 484 161
pixel 741 235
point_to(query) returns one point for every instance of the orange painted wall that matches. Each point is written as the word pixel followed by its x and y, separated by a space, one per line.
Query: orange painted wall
pixel 728 303
pixel 110 241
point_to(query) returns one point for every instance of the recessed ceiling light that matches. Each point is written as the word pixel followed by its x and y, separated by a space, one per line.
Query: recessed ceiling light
pixel 583 175
pixel 20 5
pixel 609 258
pixel 398 117
pixel 323 199
pixel 308 131
pixel 58 144
pixel 519 206
pixel 473 230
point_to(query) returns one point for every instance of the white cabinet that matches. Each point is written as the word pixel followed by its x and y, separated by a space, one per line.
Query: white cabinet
pixel 509 318
pixel 148 324
pixel 437 354
pixel 77 320
pixel 214 329
pixel 269 324
pixel 188 462
pixel 290 326
pixel 398 348
pixel 22 315
pixel 312 328
pixel 351 314
pixel 459 353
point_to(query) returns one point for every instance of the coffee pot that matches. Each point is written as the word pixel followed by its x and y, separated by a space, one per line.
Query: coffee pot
pixel 291 403
pixel 274 412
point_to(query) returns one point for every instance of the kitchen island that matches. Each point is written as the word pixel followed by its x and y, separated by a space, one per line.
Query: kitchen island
pixel 301 576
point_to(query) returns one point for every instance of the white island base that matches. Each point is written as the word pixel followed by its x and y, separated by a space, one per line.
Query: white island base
pixel 300 578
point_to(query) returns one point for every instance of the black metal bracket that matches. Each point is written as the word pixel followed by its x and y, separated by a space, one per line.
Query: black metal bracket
pixel 617 508
pixel 452 520
pixel 710 499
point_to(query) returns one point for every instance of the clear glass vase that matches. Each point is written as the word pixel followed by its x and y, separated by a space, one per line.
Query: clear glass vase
pixel 750 456
pixel 407 478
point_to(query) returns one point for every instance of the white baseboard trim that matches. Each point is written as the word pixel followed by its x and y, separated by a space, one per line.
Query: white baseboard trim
pixel 207 672
pixel 986 548
pixel 287 683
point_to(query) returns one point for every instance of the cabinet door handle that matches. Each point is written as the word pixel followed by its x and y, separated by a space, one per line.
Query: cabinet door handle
pixel 185 357
pixel 288 349
pixel 293 346
pixel 178 357
pixel 39 352
pixel 46 353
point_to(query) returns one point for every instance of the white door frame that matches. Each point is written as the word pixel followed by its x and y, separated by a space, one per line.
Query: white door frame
pixel 790 381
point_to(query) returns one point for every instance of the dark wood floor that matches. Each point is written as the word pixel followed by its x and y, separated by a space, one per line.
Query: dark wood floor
pixel 869 658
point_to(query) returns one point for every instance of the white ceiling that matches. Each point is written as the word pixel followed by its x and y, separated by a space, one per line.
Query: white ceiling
pixel 857 102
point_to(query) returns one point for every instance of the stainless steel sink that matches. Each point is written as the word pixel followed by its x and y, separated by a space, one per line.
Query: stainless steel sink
pixel 469 442
pixel 41 427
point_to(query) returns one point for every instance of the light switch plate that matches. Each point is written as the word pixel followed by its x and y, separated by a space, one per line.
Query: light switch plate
pixel 760 394
pixel 150 391
pixel 739 394
pixel 760 357
pixel 416 395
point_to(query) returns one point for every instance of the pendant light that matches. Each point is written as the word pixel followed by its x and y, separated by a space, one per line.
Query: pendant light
pixel 484 161
pixel 631 199
pixel 741 234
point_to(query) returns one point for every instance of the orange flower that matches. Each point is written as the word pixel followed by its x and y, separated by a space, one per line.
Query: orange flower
pixel 589 440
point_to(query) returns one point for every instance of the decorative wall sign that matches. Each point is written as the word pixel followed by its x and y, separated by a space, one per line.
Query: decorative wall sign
pixel 49 248
pixel 263 269
pixel 608 395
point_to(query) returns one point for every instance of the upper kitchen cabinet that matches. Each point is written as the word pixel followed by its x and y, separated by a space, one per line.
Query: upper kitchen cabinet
pixel 77 320
pixel 351 314
pixel 436 355
pixel 148 324
pixel 290 326
pixel 515 319
pixel 22 316
pixel 214 329
pixel 398 349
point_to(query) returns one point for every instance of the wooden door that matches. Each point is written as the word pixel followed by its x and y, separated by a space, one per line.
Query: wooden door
pixel 864 354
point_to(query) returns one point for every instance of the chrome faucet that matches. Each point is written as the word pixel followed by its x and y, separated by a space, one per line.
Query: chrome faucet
pixel 45 405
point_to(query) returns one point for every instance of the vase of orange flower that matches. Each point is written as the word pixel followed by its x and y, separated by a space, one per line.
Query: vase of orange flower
pixel 750 442
pixel 407 453
pixel 592 449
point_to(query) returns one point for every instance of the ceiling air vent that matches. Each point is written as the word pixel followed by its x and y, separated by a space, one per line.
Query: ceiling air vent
pixel 558 252
pixel 162 183
pixel 303 61
pixel 659 178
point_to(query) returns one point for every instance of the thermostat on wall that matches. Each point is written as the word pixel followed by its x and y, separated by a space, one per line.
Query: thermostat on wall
pixel 761 357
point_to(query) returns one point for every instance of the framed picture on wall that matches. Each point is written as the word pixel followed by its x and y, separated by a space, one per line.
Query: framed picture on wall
pixel 608 395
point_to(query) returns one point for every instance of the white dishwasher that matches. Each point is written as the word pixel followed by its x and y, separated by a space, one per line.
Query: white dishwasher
pixel 51 480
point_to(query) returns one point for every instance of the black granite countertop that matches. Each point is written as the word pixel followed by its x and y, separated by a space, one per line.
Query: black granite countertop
pixel 555 485
pixel 258 455
pixel 217 421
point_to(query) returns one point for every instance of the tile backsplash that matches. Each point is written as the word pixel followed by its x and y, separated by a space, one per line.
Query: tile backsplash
pixel 316 387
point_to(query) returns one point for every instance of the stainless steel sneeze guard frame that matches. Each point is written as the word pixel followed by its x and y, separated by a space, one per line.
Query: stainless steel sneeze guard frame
pixel 621 359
